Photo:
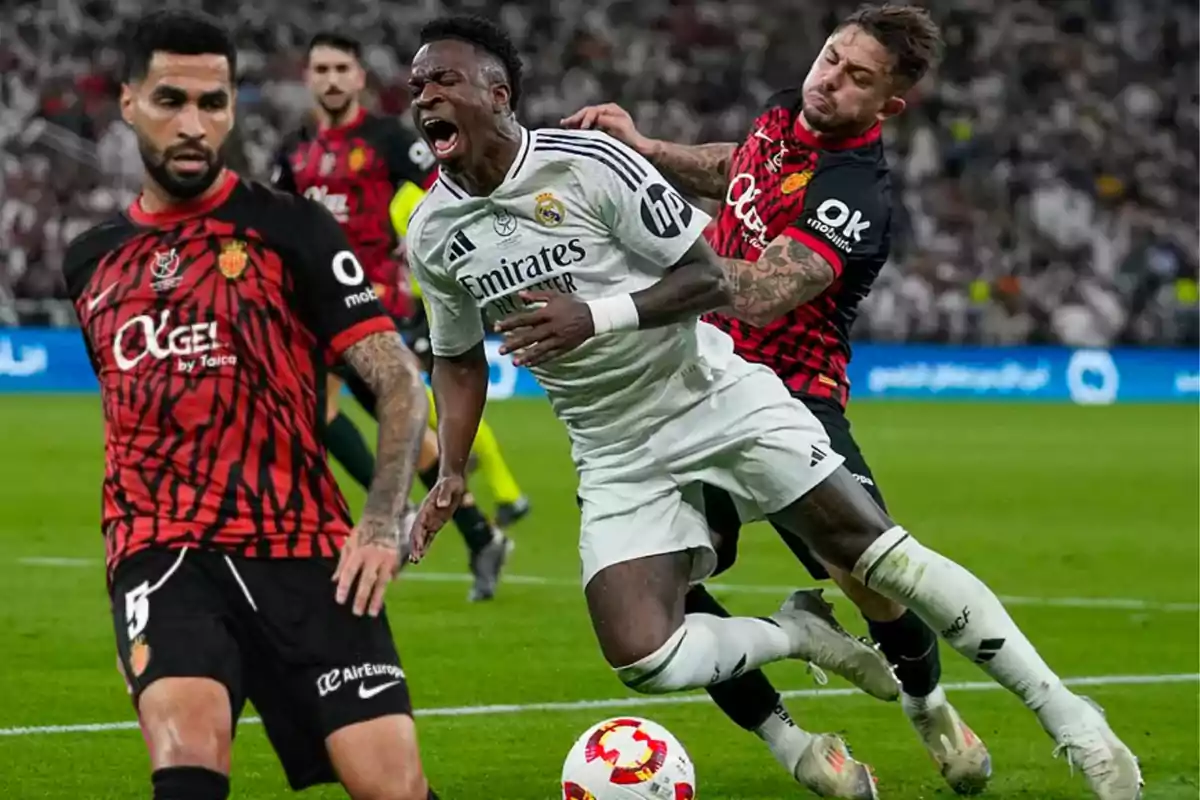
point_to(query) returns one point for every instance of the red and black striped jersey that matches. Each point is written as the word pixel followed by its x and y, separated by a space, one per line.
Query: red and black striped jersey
pixel 354 170
pixel 836 198
pixel 210 328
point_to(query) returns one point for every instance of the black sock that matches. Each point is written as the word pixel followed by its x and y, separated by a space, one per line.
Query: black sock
pixel 432 795
pixel 470 521
pixel 912 647
pixel 747 699
pixel 346 444
pixel 189 783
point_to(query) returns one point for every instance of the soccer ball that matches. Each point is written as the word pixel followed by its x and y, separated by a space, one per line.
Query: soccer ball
pixel 626 758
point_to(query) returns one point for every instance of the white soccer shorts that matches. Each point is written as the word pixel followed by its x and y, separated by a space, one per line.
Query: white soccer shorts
pixel 748 436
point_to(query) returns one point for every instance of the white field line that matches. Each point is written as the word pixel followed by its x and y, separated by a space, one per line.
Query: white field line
pixel 633 702
pixel 1113 603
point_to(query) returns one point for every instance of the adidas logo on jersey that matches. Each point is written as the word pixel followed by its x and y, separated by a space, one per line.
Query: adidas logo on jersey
pixel 459 246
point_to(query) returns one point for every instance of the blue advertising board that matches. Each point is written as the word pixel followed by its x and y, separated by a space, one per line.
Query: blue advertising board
pixel 41 360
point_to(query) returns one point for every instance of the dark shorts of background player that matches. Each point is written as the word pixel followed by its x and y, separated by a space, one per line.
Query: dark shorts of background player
pixel 722 514
pixel 270 631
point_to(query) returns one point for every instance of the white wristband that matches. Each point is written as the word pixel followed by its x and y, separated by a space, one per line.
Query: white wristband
pixel 617 313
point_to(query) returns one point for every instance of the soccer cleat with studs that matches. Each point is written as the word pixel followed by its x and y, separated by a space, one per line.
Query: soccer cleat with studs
pixel 818 639
pixel 960 755
pixel 1111 768
pixel 827 769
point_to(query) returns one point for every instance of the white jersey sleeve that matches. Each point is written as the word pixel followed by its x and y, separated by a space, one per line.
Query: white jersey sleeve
pixel 454 322
pixel 631 197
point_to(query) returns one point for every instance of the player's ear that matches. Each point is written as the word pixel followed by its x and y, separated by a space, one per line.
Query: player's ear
pixel 501 97
pixel 128 97
pixel 892 107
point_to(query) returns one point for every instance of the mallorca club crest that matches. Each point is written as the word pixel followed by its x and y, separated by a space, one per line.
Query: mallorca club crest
pixel 139 656
pixel 356 159
pixel 549 210
pixel 232 261
pixel 796 181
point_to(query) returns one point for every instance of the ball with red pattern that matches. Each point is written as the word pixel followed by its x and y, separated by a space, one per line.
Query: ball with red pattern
pixel 628 758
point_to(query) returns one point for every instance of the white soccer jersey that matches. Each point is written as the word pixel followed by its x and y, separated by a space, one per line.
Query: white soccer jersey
pixel 578 213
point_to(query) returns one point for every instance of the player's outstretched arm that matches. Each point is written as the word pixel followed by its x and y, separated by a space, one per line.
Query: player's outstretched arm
pixel 392 373
pixel 701 170
pixel 460 386
pixel 788 274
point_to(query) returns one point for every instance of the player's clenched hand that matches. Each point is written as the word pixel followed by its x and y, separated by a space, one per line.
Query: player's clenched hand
pixel 435 511
pixel 613 120
pixel 371 555
pixel 559 324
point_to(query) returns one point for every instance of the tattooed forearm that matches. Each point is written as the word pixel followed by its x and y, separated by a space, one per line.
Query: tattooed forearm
pixel 786 275
pixel 701 170
pixel 386 366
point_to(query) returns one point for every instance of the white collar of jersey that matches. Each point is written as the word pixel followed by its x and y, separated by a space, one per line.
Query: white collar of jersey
pixel 513 171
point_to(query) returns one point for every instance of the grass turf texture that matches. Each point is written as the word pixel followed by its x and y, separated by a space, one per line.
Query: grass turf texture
pixel 1040 501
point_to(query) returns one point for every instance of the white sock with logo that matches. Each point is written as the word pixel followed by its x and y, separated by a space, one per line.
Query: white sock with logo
pixel 969 616
pixel 784 737
pixel 707 650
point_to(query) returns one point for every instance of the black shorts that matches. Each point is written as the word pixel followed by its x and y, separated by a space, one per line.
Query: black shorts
pixel 722 514
pixel 270 631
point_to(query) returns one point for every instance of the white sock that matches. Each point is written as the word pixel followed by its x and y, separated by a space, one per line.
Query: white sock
pixel 919 706
pixel 707 650
pixel 968 616
pixel 784 737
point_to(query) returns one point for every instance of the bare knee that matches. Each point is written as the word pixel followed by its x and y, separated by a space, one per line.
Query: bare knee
pixel 637 606
pixel 187 723
pixel 378 759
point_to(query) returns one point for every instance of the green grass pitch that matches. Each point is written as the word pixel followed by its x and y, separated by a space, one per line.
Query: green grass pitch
pixel 1086 517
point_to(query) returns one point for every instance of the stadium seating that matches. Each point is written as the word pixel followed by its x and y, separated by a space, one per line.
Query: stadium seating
pixel 1047 174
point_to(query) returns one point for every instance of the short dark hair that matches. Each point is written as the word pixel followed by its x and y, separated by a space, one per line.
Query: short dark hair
pixel 485 35
pixel 908 33
pixel 338 41
pixel 179 31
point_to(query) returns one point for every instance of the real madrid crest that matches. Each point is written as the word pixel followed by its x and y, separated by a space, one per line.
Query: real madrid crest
pixel 796 181
pixel 549 210
pixel 357 158
pixel 232 261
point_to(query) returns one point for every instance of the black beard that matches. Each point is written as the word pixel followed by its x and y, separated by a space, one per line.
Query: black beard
pixel 180 188
pixel 336 115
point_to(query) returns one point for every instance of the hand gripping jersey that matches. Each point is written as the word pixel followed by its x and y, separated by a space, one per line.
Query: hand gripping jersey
pixel 210 327
pixel 834 197
pixel 355 171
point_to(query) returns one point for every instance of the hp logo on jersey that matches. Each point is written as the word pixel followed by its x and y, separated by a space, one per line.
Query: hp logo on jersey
pixel 664 212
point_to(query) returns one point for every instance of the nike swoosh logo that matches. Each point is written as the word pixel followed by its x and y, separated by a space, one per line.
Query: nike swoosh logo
pixel 367 694
pixel 95 301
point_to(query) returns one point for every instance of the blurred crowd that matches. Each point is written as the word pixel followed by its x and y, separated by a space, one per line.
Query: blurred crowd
pixel 1048 171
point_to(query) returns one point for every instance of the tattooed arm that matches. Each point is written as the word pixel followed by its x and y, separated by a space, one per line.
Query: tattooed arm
pixel 391 371
pixel 701 169
pixel 788 274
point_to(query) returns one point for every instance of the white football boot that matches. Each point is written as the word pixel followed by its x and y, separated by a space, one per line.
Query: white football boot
pixel 1089 743
pixel 960 755
pixel 818 638
pixel 827 769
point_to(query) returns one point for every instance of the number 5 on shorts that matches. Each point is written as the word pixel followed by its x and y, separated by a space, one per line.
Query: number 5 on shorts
pixel 137 609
